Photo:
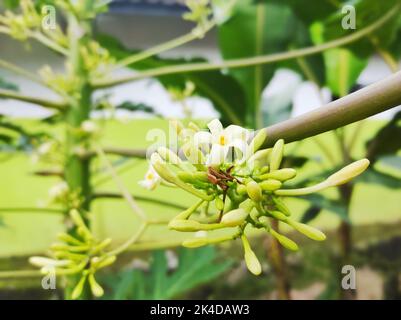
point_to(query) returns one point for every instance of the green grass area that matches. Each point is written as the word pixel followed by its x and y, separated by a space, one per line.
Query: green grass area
pixel 30 233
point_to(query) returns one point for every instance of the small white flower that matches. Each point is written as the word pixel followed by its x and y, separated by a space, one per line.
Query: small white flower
pixel 221 140
pixel 151 180
pixel 89 126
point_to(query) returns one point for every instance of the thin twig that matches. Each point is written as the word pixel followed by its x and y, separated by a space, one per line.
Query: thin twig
pixel 127 195
pixel 4 93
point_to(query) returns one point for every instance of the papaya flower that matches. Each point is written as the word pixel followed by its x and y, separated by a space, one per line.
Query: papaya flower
pixel 151 179
pixel 221 141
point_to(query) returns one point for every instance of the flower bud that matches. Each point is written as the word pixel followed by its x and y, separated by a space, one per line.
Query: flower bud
pixel 44 262
pixel 184 225
pixel 278 215
pixel 168 155
pixel 277 155
pixel 96 289
pixel 258 141
pixel 161 168
pixel 308 231
pixel 234 218
pixel 78 288
pixel 195 242
pixel 348 173
pixel 102 263
pixel 254 191
pixel 281 174
pixel 177 126
pixel 251 260
pixel 270 185
pixel 260 157
pixel 219 203
pixel 284 241
pixel 241 189
pixel 280 205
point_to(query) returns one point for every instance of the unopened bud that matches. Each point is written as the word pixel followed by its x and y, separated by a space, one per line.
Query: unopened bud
pixel 168 155
pixel 270 185
pixel 348 173
pixel 280 205
pixel 195 242
pixel 96 289
pixel 284 241
pixel 281 174
pixel 241 189
pixel 235 217
pixel 277 155
pixel 79 288
pixel 251 260
pixel 254 191
pixel 258 141
pixel 308 231
pixel 219 203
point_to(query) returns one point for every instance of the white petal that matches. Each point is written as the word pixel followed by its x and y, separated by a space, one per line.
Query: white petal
pixel 215 127
pixel 217 155
pixel 237 132
pixel 202 138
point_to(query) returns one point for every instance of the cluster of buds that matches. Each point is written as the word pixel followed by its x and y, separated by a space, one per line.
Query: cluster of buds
pixel 81 254
pixel 228 169
pixel 97 59
pixel 21 24
pixel 199 13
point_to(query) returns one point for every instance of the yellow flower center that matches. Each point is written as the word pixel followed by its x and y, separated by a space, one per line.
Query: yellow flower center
pixel 222 140
pixel 150 176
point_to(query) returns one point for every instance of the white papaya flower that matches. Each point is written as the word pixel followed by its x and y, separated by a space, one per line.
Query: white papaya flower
pixel 221 141
pixel 88 126
pixel 151 180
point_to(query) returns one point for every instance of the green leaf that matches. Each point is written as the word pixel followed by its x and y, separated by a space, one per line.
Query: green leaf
pixel 221 89
pixel 255 29
pixel 335 206
pixel 374 176
pixel 387 140
pixel 310 214
pixel 196 266
pixel 393 162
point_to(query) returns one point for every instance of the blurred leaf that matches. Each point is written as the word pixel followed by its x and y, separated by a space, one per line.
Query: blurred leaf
pixel 11 4
pixel 310 214
pixel 387 140
pixel 374 176
pixel 221 89
pixel 134 107
pixel 7 85
pixel 322 202
pixel 295 161
pixel 391 161
pixel 255 29
pixel 196 266
pixel 367 12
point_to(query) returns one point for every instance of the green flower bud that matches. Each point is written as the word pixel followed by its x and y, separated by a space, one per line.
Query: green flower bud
pixel 100 263
pixel 177 125
pixel 76 293
pixel 278 215
pixel 308 231
pixel 280 205
pixel 235 217
pixel 184 225
pixel 264 169
pixel 270 185
pixel 241 189
pixel 44 262
pixel 260 157
pixel 195 242
pixel 168 155
pixel 281 174
pixel 348 173
pixel 277 155
pixel 254 191
pixel 258 141
pixel 251 260
pixel 219 203
pixel 162 169
pixel 65 237
pixel 284 241
pixel 96 289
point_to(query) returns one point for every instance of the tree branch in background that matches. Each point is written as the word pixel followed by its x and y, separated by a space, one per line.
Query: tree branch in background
pixel 247 62
pixel 371 100
pixel 9 94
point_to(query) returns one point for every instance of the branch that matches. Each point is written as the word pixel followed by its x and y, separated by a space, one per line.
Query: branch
pixel 18 70
pixel 124 152
pixel 247 62
pixel 9 94
pixel 371 100
pixel 114 195
pixel 31 210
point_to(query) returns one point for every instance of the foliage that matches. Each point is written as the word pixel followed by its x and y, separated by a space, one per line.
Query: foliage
pixel 195 267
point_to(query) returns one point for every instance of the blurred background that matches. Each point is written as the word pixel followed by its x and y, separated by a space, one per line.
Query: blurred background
pixel 364 230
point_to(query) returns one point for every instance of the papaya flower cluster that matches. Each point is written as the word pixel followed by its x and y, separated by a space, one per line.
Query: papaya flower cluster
pixel 227 168
pixel 81 254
